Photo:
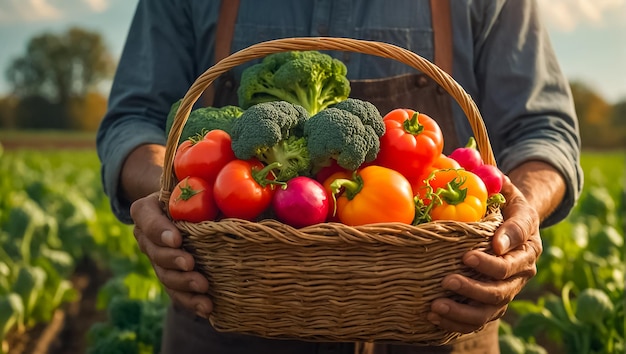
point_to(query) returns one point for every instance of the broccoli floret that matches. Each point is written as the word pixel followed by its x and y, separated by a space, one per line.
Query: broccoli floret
pixel 310 79
pixel 272 132
pixel 369 114
pixel 347 132
pixel 203 120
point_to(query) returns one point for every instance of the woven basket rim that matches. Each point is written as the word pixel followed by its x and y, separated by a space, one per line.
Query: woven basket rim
pixel 333 233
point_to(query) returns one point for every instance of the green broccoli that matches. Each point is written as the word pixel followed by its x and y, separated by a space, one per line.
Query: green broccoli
pixel 347 132
pixel 203 120
pixel 310 79
pixel 369 114
pixel 272 132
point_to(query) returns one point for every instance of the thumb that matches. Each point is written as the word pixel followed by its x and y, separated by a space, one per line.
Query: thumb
pixel 521 221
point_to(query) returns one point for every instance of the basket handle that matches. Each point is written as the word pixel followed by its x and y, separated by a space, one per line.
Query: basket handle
pixel 380 49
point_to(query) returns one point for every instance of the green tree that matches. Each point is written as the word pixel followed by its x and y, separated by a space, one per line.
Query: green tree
pixel 61 69
pixel 599 120
pixel 8 106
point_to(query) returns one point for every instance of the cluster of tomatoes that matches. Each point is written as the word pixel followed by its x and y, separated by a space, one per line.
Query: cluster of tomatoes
pixel 411 181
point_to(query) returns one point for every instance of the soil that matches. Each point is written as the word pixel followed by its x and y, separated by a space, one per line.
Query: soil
pixel 48 144
pixel 66 333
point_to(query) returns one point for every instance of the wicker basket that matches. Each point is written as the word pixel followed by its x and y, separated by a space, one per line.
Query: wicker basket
pixel 331 282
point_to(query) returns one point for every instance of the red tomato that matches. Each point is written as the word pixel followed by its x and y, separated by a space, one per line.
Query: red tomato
pixel 192 200
pixel 322 175
pixel 412 141
pixel 243 189
pixel 204 158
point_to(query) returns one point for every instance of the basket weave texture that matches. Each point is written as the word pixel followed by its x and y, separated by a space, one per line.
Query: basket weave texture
pixel 331 282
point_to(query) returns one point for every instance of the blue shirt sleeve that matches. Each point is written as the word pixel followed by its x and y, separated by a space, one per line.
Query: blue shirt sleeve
pixel 517 83
pixel 156 68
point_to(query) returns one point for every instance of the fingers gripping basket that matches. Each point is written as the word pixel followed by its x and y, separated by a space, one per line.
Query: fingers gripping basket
pixel 330 282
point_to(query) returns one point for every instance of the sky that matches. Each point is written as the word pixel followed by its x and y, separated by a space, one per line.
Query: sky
pixel 589 36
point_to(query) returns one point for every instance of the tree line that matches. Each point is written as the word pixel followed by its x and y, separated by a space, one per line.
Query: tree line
pixel 55 82
pixel 55 86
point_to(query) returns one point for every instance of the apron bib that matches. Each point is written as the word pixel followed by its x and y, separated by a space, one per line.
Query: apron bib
pixel 186 333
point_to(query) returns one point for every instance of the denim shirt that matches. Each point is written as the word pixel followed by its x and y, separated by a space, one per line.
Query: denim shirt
pixel 502 58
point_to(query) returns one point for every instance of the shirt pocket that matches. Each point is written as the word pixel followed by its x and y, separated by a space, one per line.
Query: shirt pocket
pixel 248 34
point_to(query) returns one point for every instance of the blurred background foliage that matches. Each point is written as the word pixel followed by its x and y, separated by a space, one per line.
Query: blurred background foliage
pixel 54 203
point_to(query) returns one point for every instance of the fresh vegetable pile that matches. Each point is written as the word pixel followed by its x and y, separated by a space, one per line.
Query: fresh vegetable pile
pixel 299 150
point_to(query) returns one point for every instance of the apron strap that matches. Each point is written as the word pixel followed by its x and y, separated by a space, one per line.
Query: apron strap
pixel 442 34
pixel 224 33
pixel 441 18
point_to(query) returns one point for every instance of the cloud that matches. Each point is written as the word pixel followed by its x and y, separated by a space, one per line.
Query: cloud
pixel 97 5
pixel 567 15
pixel 28 11
pixel 20 11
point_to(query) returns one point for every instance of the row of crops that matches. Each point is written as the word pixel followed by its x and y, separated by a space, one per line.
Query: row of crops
pixel 54 215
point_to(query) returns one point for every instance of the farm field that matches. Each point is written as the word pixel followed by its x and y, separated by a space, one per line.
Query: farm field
pixel 69 269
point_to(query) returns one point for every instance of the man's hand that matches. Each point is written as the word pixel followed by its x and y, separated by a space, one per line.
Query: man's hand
pixel 156 236
pixel 517 245
pixel 159 239
pixel 533 192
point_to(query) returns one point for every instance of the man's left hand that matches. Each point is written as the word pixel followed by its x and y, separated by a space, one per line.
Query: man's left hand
pixel 517 246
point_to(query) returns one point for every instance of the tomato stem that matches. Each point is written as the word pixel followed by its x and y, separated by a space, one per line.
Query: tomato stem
pixel 186 191
pixel 260 176
pixel 453 194
pixel 413 126
pixel 198 137
pixel 422 211
pixel 496 199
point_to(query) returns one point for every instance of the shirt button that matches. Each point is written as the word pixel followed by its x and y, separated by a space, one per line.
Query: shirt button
pixel 228 84
pixel 422 81
pixel 322 30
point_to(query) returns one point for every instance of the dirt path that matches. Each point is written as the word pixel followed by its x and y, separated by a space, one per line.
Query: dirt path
pixel 66 333
pixel 46 140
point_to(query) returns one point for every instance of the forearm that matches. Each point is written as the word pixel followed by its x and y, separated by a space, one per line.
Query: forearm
pixel 542 185
pixel 141 171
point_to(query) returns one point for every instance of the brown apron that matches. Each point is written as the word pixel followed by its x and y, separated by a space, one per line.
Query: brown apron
pixel 185 333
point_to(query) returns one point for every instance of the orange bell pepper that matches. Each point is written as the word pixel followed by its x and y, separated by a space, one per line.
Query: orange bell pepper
pixel 375 194
pixel 456 194
pixel 332 210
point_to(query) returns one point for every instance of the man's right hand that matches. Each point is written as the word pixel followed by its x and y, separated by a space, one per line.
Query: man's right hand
pixel 159 239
